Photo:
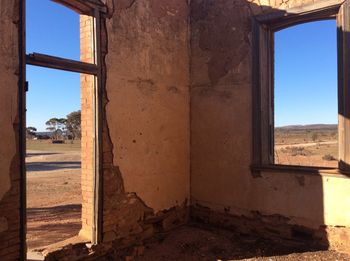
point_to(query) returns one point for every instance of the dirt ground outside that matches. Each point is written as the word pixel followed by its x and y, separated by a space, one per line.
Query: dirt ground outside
pixel 53 193
pixel 307 146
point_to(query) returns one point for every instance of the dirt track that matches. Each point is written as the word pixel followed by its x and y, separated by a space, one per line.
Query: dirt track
pixel 307 144
pixel 53 197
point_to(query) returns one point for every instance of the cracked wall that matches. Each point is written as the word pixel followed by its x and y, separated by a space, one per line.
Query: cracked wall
pixel 146 130
pixel 9 131
pixel 151 61
pixel 221 134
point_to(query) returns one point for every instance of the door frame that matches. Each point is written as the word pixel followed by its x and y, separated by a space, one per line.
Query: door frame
pixel 98 11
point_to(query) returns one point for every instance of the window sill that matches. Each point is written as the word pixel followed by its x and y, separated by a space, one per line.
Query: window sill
pixel 335 172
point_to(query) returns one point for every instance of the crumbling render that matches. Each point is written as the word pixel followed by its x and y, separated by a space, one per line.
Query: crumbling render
pixel 126 218
pixel 218 46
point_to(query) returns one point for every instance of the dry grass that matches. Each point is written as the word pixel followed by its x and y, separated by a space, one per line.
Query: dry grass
pixel 318 148
pixel 46 145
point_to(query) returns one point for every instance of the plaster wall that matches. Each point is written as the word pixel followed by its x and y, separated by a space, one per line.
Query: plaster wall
pixel 172 71
pixel 9 131
pixel 146 129
pixel 221 126
pixel 148 109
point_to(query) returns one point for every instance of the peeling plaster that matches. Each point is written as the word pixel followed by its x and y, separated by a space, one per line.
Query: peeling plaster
pixel 3 224
pixel 222 35
pixel 141 83
pixel 124 4
pixel 126 215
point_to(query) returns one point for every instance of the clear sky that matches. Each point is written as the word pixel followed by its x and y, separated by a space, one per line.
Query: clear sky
pixel 305 68
pixel 51 29
pixel 306 74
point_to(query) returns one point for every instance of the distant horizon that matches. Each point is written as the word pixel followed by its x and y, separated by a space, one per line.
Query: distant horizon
pixel 307 125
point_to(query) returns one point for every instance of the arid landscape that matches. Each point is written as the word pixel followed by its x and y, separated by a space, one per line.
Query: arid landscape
pixel 307 145
pixel 53 192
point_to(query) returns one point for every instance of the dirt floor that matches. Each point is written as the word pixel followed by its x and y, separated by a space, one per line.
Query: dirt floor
pixel 198 243
pixel 53 196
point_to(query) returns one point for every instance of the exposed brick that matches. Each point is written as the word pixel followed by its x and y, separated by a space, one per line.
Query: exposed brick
pixel 87 117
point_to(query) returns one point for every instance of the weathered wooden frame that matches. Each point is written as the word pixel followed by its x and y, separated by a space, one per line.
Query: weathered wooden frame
pixel 97 10
pixel 264 27
pixel 59 63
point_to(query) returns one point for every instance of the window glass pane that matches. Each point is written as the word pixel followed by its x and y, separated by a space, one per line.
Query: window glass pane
pixel 306 117
pixel 52 29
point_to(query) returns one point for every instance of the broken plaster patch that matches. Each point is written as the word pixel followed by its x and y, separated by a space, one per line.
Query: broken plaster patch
pixel 5 181
pixel 3 224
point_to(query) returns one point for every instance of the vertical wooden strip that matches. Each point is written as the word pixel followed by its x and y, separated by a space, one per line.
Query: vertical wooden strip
pixel 22 133
pixel 265 91
pixel 256 124
pixel 343 24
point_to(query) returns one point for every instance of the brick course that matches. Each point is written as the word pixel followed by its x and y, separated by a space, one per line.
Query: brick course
pixel 87 126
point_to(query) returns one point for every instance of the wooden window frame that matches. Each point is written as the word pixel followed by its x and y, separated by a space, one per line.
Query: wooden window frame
pixel 97 10
pixel 264 27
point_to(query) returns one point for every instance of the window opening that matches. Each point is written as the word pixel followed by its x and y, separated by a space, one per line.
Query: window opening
pixel 305 95
pixel 53 156
pixel 52 29
pixel 62 129
pixel 284 91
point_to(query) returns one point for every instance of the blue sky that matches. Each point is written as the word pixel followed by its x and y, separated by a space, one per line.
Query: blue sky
pixel 305 68
pixel 306 74
pixel 51 29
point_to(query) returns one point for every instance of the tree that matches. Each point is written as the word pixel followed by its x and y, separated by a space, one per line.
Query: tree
pixel 56 126
pixel 51 124
pixel 31 132
pixel 60 127
pixel 61 124
pixel 73 124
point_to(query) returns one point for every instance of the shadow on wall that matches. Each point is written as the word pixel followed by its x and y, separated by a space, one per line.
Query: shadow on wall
pixel 49 166
pixel 280 206
pixel 33 154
